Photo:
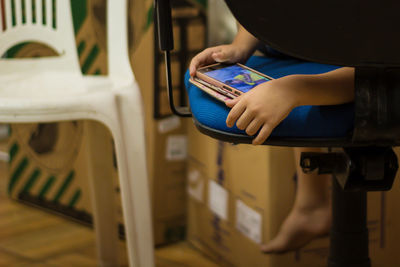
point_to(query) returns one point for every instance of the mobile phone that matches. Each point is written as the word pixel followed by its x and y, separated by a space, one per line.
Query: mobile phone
pixel 208 90
pixel 234 78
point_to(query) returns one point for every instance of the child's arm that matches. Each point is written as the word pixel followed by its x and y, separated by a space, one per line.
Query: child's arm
pixel 240 50
pixel 266 105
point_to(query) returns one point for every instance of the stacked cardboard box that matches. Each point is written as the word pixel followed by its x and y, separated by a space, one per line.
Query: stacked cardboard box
pixel 240 194
pixel 166 134
pixel 48 167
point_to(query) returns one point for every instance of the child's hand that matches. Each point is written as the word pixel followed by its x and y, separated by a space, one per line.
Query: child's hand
pixel 263 107
pixel 223 53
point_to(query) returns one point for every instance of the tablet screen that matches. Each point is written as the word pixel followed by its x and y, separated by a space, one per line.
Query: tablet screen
pixel 237 77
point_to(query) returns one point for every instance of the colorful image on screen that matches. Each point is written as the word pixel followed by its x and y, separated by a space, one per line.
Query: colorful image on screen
pixel 237 77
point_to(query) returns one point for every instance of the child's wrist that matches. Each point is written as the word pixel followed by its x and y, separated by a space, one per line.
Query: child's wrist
pixel 294 87
pixel 243 51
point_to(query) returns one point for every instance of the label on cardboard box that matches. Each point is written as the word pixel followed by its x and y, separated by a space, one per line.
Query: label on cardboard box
pixel 176 147
pixel 248 221
pixel 195 185
pixel 169 124
pixel 218 199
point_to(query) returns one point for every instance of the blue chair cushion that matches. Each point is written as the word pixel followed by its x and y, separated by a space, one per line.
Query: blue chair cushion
pixel 302 122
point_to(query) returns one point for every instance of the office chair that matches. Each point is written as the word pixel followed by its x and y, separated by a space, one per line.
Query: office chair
pixel 360 34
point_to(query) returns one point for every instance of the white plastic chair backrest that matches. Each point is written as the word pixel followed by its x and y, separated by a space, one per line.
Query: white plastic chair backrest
pixel 117 40
pixel 43 21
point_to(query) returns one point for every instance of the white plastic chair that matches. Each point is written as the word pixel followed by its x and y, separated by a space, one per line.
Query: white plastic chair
pixel 53 89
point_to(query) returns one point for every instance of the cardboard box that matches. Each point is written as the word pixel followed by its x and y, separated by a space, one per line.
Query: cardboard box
pixel 252 192
pixel 208 187
pixel 166 164
pixel 48 167
pixel 166 135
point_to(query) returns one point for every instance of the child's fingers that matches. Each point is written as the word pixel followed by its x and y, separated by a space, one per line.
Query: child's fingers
pixel 203 58
pixel 234 114
pixel 254 126
pixel 262 135
pixel 232 102
pixel 192 69
pixel 245 119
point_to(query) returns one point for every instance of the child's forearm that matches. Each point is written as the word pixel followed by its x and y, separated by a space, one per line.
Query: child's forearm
pixel 261 109
pixel 331 88
pixel 245 41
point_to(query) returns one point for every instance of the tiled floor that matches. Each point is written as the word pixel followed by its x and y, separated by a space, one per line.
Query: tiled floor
pixel 32 237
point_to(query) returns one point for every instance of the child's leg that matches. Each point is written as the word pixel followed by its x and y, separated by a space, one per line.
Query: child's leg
pixel 310 216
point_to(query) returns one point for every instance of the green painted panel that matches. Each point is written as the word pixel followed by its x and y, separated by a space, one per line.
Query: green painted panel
pixel 44 18
pixel 64 186
pixel 54 11
pixel 13 51
pixel 13 151
pixel 16 175
pixel 79 13
pixel 75 198
pixel 23 11
pixel 149 18
pixel 14 16
pixel 34 12
pixel 32 180
pixel 90 59
pixel 46 187
pixel 81 47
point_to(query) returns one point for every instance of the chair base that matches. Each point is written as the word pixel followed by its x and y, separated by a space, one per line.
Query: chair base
pixel 355 171
pixel 349 233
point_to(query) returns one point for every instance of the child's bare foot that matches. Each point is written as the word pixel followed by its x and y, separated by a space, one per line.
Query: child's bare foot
pixel 310 216
pixel 300 227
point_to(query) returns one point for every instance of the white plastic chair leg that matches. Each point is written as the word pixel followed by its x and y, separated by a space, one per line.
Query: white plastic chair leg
pixel 135 185
pixel 102 190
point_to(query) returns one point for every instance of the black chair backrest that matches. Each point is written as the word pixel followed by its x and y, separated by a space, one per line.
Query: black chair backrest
pixel 339 32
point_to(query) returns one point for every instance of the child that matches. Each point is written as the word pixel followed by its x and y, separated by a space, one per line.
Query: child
pixel 262 109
